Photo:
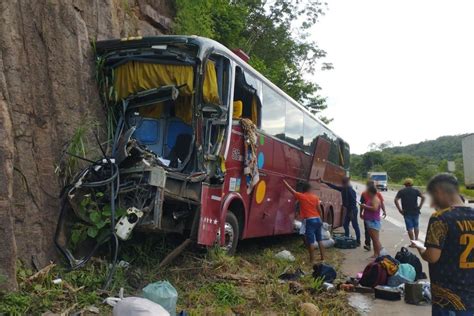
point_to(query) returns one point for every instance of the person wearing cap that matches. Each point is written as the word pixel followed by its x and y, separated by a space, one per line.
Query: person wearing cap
pixel 410 208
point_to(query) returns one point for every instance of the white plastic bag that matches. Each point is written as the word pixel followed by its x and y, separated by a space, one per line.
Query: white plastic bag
pixel 285 255
pixel 138 306
pixel 162 293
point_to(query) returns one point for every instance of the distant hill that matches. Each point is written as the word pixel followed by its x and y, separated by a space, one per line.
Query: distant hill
pixel 444 147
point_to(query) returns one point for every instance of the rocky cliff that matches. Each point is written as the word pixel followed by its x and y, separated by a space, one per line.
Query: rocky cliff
pixel 47 89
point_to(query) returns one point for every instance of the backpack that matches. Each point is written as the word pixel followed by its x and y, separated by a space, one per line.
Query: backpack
pixel 388 263
pixel 325 271
pixel 405 274
pixel 374 274
pixel 405 256
pixel 343 242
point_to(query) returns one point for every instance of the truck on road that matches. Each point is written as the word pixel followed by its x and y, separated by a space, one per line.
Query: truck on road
pixel 380 179
pixel 468 160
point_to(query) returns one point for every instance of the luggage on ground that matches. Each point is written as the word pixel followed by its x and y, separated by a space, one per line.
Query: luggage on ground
pixel 389 263
pixel 405 274
pixel 414 293
pixel 374 274
pixel 343 242
pixel 405 256
pixel 387 293
pixel 325 271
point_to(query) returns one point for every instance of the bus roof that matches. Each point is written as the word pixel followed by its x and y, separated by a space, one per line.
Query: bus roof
pixel 204 44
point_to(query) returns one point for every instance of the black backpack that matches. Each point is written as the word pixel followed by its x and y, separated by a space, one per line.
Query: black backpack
pixel 325 271
pixel 405 256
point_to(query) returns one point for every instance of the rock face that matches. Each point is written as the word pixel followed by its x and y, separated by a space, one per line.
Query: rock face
pixel 47 88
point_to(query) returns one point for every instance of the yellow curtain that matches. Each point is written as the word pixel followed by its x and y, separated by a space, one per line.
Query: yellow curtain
pixel 210 91
pixel 136 76
pixel 254 110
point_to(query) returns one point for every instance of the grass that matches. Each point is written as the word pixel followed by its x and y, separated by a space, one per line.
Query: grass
pixel 208 282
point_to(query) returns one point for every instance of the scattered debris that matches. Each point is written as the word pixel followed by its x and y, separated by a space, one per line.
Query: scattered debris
pixel 93 309
pixel 309 309
pixel 329 287
pixel 325 271
pixel 295 287
pixel 138 306
pixel 41 273
pixel 288 276
pixel 162 293
pixel 285 255
pixel 57 281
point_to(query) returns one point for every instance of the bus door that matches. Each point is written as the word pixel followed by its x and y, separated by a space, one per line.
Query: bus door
pixel 264 198
pixel 320 157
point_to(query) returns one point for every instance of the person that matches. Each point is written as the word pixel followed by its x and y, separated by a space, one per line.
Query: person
pixel 371 211
pixel 449 249
pixel 349 201
pixel 410 209
pixel 364 198
pixel 310 212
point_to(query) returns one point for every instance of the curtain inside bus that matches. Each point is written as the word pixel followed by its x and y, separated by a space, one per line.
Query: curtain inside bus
pixel 137 76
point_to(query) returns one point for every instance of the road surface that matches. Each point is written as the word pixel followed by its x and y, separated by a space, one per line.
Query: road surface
pixel 393 236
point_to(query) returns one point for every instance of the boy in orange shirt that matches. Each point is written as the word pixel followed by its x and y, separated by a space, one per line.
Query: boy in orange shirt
pixel 310 211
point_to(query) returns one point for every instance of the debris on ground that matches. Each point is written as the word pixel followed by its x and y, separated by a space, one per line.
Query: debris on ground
pixel 324 271
pixel 295 287
pixel 291 276
pixel 309 309
pixel 162 293
pixel 285 255
pixel 138 306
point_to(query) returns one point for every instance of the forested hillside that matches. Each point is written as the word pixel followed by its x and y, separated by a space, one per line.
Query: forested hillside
pixel 419 161
pixel 444 147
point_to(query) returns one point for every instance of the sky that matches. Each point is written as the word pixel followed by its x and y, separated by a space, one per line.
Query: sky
pixel 403 69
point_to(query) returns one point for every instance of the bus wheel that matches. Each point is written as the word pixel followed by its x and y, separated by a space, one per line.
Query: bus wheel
pixel 231 233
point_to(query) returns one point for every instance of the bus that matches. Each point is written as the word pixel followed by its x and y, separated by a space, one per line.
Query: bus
pixel 203 142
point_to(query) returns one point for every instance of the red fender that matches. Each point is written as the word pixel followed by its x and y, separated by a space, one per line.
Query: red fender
pixel 227 200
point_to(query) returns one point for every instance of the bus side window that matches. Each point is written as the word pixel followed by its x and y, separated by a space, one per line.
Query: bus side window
pixel 246 100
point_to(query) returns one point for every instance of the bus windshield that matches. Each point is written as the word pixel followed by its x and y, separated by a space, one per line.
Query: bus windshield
pixel 379 177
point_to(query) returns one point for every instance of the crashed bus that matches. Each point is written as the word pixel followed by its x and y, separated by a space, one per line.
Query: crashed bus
pixel 203 141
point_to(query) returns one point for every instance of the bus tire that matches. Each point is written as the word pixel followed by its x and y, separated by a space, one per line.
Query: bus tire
pixel 231 234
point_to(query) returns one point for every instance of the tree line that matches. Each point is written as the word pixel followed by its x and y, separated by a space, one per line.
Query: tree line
pixel 419 161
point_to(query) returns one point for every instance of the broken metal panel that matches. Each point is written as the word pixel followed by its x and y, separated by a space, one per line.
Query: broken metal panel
pixel 209 224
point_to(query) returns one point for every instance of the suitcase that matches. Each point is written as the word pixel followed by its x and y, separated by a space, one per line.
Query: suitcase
pixel 343 242
pixel 387 293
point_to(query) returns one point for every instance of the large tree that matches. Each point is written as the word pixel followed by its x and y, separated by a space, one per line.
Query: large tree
pixel 278 46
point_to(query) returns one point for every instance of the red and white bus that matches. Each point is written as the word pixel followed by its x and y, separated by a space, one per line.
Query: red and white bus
pixel 180 146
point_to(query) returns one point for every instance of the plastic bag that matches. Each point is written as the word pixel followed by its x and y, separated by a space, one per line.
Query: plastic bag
pixel 138 306
pixel 285 255
pixel 162 293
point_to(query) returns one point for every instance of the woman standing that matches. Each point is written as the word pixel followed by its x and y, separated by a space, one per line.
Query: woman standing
pixel 371 215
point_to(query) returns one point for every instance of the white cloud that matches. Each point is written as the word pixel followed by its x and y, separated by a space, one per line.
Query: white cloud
pixel 404 70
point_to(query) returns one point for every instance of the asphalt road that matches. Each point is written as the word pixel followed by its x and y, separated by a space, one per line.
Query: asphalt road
pixel 393 236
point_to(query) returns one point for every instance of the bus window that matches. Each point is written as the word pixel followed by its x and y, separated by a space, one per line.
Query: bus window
pixel 246 96
pixel 334 152
pixel 311 130
pixel 273 113
pixel 294 125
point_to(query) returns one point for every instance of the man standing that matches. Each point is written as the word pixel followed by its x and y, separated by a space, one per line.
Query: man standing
pixel 364 199
pixel 449 249
pixel 410 209
pixel 349 201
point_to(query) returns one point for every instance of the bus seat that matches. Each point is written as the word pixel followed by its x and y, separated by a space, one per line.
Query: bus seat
pixel 237 112
pixel 175 128
pixel 149 132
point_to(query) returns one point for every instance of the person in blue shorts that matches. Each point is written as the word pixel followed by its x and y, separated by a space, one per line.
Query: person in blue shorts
pixel 410 209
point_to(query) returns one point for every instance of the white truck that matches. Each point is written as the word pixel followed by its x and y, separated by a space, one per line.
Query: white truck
pixel 468 160
pixel 380 179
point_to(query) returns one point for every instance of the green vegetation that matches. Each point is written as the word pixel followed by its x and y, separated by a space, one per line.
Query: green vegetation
pixel 418 161
pixel 266 33
pixel 208 283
